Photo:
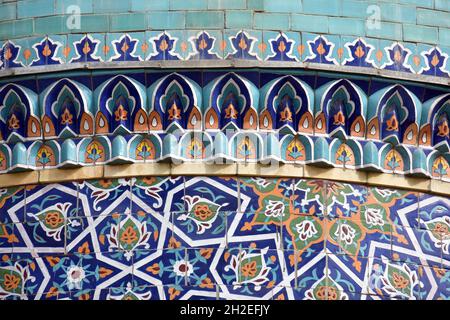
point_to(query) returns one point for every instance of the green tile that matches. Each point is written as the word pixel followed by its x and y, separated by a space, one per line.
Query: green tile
pixel 346 26
pixel 6 29
pixel 128 22
pixel 323 7
pixel 34 8
pixel 50 25
pixel 166 20
pixel 205 19
pixel 85 6
pixel 94 23
pixel 433 18
pixel 239 19
pixel 354 8
pixel 442 5
pixel 271 21
pixel 421 3
pixel 188 4
pixel 257 5
pixel 444 36
pixel 227 4
pixel 387 30
pixel 309 23
pixel 283 6
pixel 22 28
pixel 145 5
pixel 108 6
pixel 397 13
pixel 421 34
pixel 7 11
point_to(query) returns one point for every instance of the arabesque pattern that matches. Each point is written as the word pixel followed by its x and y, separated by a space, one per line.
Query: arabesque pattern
pixel 301 117
pixel 222 238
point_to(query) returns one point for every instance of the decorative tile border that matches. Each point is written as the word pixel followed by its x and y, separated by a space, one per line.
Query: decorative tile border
pixel 242 116
pixel 250 45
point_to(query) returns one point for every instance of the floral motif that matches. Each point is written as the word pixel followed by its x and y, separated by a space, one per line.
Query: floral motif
pixel 130 293
pixel 249 268
pixel 94 152
pixel 53 219
pixel 13 279
pixel 128 235
pixel 399 280
pixel 183 268
pixel 326 288
pixel 439 230
pixel 306 230
pixel 201 211
pixel 274 209
pixel 345 233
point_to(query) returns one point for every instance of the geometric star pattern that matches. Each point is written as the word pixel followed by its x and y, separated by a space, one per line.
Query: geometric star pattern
pixel 222 238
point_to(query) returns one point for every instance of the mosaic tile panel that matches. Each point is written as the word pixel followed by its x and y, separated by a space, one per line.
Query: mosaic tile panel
pixel 222 238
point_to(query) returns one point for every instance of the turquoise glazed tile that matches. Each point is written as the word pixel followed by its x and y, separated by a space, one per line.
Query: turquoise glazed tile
pixel 228 47
pixel 296 37
pixel 242 44
pixel 398 57
pixel 384 53
pixel 265 49
pixel 412 47
pixel 27 54
pixel 205 45
pixel 163 45
pixel 320 49
pixel 445 51
pixel 251 52
pixel 185 45
pixel 372 57
pixel 280 46
pixel 434 61
pixel 420 62
pixel 125 47
pixel 86 48
pixel 10 57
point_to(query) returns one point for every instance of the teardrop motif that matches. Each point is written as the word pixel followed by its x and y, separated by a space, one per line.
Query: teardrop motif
pixel 424 138
pixel 141 119
pixel 101 123
pixel 86 125
pixel 410 135
pixel 319 124
pixel 266 122
pixel 194 120
pixel 33 127
pixel 306 123
pixel 211 120
pixel 357 127
pixel 372 130
pixel 154 122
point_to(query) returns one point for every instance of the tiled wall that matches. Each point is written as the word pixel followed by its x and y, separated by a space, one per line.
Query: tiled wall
pixel 222 238
pixel 424 21
pixel 93 118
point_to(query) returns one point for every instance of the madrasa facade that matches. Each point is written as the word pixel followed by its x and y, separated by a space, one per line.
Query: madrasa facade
pixel 239 149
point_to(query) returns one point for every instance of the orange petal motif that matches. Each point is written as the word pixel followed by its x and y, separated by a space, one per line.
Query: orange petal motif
pixel 46 51
pixel 359 52
pixel 392 124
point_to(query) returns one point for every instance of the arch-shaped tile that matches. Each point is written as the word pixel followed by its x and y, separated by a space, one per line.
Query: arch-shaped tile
pixel 286 105
pixel 66 110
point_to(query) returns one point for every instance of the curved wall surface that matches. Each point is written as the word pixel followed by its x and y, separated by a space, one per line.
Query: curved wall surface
pixel 237 149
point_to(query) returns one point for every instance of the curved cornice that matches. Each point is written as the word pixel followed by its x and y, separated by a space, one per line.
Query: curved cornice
pixel 249 169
